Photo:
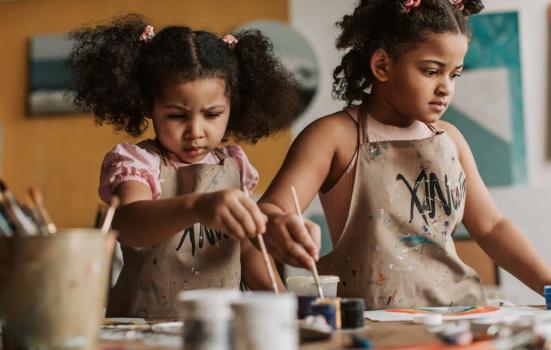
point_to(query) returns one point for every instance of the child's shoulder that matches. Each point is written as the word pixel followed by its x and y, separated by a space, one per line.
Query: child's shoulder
pixel 144 151
pixel 333 126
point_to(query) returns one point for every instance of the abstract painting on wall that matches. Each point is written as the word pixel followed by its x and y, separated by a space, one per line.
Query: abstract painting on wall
pixel 488 103
pixel 49 77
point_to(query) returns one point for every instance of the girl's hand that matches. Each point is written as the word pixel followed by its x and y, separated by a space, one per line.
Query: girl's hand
pixel 232 212
pixel 292 241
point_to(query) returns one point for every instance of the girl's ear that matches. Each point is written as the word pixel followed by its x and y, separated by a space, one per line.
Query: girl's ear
pixel 380 62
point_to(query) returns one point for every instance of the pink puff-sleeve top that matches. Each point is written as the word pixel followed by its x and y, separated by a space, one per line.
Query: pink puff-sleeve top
pixel 130 162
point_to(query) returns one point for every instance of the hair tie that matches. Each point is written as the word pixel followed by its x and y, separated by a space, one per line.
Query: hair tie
pixel 411 4
pixel 458 4
pixel 230 40
pixel 147 34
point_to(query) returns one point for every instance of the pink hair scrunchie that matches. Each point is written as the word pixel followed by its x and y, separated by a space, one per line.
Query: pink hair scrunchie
pixel 147 34
pixel 411 4
pixel 458 4
pixel 230 40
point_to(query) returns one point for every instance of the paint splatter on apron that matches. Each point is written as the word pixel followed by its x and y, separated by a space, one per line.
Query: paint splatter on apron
pixel 396 249
pixel 198 257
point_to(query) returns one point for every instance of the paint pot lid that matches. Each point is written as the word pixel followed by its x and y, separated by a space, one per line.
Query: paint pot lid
pixel 431 319
pixel 547 289
pixel 266 303
pixel 207 303
pixel 352 304
pixel 310 279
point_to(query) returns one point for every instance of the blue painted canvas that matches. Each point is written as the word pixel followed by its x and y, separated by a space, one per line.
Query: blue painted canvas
pixel 488 104
pixel 49 77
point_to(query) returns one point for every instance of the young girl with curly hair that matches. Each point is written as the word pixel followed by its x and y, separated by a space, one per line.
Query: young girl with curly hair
pixel 394 180
pixel 186 216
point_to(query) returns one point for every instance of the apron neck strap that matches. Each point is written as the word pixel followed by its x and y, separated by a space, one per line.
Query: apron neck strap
pixel 433 128
pixel 362 124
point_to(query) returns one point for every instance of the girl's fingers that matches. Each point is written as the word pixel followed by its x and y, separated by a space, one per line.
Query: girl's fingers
pixel 293 253
pixel 233 227
pixel 315 234
pixel 301 235
pixel 258 217
pixel 244 218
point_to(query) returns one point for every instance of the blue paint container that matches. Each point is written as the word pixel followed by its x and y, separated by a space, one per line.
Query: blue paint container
pixel 328 311
pixel 304 304
pixel 547 295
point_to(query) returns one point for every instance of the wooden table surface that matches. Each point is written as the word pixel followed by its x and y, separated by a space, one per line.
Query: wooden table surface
pixel 384 335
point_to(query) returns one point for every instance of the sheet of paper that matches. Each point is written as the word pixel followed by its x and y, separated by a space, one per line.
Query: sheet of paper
pixel 456 313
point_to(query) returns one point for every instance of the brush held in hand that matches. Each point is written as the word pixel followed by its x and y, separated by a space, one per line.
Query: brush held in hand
pixel 110 214
pixel 314 268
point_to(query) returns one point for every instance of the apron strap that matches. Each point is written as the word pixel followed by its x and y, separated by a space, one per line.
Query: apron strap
pixel 362 125
pixel 434 129
pixel 220 154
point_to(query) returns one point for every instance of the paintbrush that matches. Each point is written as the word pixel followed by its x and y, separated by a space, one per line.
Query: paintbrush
pixel 110 213
pixel 268 263
pixel 46 224
pixel 314 267
pixel 24 226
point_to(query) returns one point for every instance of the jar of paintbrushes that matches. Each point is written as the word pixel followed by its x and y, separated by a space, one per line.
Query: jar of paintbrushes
pixel 53 282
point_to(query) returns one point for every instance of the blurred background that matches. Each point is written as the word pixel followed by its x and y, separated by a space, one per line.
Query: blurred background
pixel 501 105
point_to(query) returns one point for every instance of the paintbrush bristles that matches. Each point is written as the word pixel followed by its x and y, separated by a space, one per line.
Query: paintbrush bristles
pixel 110 214
pixel 36 196
pixel 314 268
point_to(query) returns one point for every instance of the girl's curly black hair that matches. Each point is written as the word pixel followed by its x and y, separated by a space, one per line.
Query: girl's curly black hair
pixel 117 76
pixel 393 26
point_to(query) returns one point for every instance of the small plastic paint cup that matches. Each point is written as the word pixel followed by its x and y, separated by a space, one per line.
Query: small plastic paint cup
pixel 265 321
pixel 305 285
pixel 328 311
pixel 352 313
pixel 428 319
pixel 206 314
pixel 304 303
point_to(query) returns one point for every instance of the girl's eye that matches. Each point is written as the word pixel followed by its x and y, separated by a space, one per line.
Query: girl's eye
pixel 456 75
pixel 212 114
pixel 176 116
pixel 430 72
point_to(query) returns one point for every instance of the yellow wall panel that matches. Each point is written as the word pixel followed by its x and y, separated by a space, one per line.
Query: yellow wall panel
pixel 63 153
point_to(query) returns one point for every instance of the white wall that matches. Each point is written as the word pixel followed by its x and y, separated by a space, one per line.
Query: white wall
pixel 526 206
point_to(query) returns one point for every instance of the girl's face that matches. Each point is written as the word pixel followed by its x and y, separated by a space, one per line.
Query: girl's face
pixel 190 117
pixel 421 81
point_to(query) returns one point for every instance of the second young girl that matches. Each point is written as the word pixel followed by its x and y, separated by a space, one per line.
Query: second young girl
pixel 394 180
pixel 186 215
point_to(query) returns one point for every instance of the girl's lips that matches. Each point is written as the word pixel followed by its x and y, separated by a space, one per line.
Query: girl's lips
pixel 194 151
pixel 438 106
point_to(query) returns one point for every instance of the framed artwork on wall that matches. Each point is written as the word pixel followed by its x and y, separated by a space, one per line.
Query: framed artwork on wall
pixel 49 77
pixel 488 103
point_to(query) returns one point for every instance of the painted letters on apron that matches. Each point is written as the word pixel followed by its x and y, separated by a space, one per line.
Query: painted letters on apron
pixel 451 199
pixel 396 248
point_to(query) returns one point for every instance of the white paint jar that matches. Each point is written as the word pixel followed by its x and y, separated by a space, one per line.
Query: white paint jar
pixel 265 321
pixel 306 285
pixel 206 314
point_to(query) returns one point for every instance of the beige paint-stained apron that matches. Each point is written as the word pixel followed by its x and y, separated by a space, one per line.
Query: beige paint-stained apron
pixel 197 257
pixel 396 249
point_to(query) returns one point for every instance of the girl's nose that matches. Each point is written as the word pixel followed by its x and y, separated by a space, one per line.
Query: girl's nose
pixel 444 88
pixel 194 130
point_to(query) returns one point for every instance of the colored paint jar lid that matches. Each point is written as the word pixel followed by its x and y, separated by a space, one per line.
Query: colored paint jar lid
pixel 428 319
pixel 547 289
